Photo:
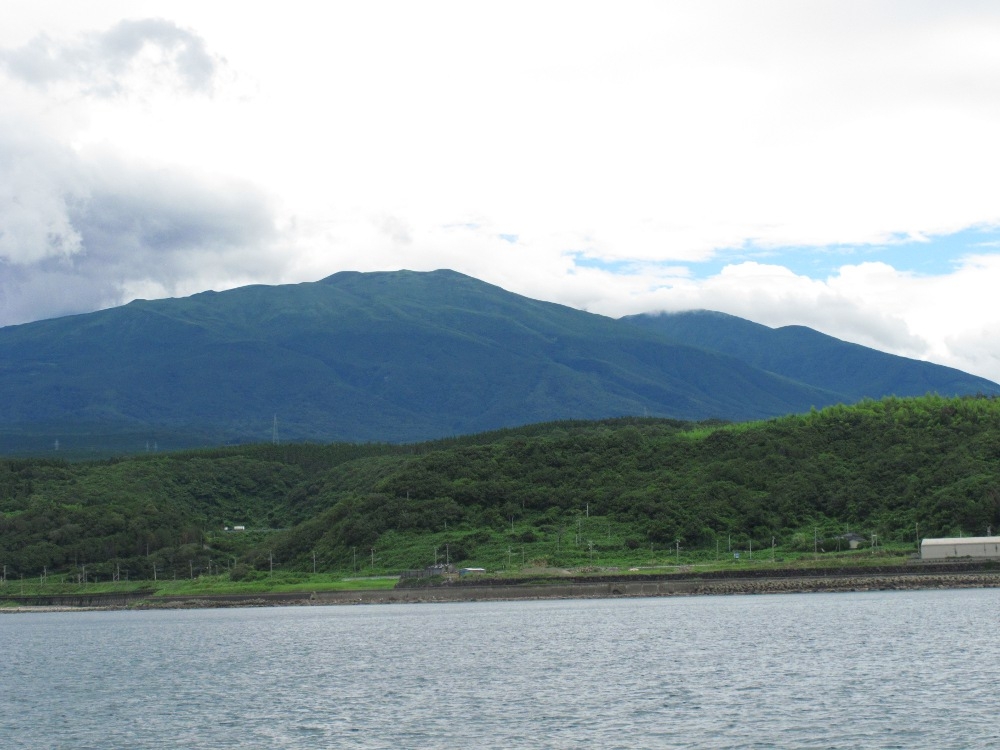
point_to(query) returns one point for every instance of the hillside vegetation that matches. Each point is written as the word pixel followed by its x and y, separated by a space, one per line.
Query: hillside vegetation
pixel 621 492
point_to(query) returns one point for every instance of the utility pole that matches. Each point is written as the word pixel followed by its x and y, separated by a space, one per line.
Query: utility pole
pixel 314 562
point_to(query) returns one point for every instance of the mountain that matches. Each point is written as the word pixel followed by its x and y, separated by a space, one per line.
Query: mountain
pixel 391 357
pixel 806 356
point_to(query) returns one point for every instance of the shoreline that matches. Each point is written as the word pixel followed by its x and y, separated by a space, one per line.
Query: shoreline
pixel 578 589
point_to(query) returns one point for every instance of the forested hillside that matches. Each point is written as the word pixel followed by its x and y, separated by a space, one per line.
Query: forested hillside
pixel 565 493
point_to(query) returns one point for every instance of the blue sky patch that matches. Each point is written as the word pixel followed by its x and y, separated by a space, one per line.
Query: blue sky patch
pixel 937 255
pixel 611 266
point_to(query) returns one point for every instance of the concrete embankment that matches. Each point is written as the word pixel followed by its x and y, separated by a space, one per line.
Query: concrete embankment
pixel 610 589
pixel 676 587
pixel 119 600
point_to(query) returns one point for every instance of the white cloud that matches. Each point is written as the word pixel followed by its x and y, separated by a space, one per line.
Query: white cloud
pixel 38 186
pixel 642 138
pixel 102 232
pixel 130 55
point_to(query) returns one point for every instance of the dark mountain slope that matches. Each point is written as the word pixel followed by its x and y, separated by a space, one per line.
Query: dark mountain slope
pixel 807 356
pixel 363 357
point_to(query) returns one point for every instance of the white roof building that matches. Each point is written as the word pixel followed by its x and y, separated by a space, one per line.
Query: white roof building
pixel 965 546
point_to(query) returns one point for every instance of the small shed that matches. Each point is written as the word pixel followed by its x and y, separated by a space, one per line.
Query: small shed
pixel 967 546
pixel 438 569
pixel 854 540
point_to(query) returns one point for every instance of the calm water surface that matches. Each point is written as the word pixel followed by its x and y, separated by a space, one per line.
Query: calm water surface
pixel 868 670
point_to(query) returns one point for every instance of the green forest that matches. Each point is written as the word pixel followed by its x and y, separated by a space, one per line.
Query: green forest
pixel 561 494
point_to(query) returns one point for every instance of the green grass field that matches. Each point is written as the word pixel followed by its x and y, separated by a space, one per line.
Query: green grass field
pixel 280 582
pixel 289 581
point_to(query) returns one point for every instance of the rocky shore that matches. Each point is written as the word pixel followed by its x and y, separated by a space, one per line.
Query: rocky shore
pixel 672 587
pixel 850 583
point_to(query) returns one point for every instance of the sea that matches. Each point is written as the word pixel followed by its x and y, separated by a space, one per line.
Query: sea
pixel 894 669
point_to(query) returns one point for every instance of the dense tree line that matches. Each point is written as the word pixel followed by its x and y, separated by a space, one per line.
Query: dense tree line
pixel 904 467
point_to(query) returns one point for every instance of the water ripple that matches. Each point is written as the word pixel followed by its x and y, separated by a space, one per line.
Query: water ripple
pixel 867 670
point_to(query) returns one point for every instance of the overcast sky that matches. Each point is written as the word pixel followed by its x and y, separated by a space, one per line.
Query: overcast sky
pixel 832 164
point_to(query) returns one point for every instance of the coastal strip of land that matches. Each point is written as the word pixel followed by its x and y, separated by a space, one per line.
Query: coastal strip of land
pixel 607 587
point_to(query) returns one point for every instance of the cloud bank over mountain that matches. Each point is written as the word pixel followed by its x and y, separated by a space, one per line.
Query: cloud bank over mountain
pixel 829 165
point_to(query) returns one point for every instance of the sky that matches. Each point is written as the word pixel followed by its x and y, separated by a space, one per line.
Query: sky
pixel 829 164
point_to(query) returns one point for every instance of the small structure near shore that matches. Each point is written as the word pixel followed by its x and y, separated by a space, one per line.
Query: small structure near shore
pixel 968 546
pixel 853 539
pixel 429 572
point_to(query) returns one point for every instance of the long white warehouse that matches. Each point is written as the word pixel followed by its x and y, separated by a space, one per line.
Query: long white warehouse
pixel 968 546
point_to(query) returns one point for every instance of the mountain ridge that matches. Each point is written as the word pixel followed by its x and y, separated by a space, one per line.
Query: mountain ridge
pixel 372 357
pixel 806 355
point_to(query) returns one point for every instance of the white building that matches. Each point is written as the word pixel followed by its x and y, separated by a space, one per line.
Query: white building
pixel 968 546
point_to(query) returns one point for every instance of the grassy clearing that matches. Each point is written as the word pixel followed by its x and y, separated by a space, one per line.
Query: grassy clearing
pixel 599 544
pixel 587 545
pixel 280 582
pixel 699 561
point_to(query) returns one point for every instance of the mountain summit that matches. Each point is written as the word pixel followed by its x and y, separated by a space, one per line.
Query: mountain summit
pixel 400 356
